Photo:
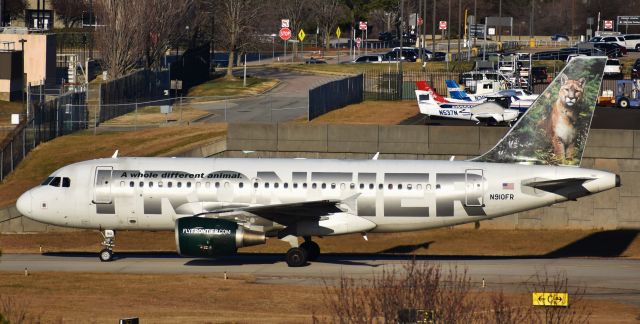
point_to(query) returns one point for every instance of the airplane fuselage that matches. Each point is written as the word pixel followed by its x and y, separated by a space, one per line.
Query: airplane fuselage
pixel 395 195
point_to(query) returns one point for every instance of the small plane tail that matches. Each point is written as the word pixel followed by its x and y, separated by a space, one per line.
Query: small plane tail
pixel 424 86
pixel 555 128
pixel 455 91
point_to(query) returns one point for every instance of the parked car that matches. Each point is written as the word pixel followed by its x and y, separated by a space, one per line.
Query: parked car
pixel 560 38
pixel 409 54
pixel 609 49
pixel 370 58
pixel 613 69
pixel 315 61
pixel 539 74
pixel 632 42
pixel 635 70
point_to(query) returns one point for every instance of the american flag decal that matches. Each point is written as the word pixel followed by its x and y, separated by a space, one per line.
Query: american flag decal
pixel 507 186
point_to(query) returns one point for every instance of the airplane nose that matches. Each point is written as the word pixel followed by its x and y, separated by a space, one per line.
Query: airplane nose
pixel 24 204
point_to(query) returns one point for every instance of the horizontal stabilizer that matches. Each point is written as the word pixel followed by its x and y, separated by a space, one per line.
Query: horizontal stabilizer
pixel 571 188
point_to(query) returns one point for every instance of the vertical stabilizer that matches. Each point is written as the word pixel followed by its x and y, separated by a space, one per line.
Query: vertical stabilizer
pixel 455 91
pixel 554 129
pixel 424 86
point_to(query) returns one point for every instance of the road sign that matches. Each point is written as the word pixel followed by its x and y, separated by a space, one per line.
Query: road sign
pixel 301 35
pixel 358 41
pixel 443 25
pixel 338 32
pixel 284 23
pixel 363 25
pixel 285 33
pixel 550 299
pixel 420 21
pixel 608 24
pixel 628 20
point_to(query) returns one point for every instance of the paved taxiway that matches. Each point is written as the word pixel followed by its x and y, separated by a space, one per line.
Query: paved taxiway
pixel 607 278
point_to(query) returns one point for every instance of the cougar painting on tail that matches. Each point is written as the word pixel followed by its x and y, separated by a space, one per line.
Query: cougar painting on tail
pixel 554 129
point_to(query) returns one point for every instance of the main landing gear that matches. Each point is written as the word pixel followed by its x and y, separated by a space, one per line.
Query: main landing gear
pixel 297 256
pixel 109 237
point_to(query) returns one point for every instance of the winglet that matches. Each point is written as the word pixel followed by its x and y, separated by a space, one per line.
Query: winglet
pixel 115 155
pixel 555 128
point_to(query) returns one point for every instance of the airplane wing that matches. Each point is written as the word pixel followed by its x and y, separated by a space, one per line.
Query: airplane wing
pixel 284 214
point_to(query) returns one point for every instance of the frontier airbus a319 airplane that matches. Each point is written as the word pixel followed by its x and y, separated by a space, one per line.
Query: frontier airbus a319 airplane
pixel 217 205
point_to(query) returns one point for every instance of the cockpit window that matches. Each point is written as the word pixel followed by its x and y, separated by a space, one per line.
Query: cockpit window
pixel 55 182
pixel 66 182
pixel 46 181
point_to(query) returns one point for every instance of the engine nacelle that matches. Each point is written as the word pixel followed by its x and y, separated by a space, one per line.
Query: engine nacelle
pixel 207 237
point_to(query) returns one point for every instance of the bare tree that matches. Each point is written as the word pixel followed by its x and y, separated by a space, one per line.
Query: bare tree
pixel 13 9
pixel 118 39
pixel 70 11
pixel 327 12
pixel 237 20
pixel 133 32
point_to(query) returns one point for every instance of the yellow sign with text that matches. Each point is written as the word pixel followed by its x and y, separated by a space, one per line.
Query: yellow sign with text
pixel 550 299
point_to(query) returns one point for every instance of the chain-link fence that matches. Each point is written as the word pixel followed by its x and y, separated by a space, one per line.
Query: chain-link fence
pixel 396 85
pixel 47 119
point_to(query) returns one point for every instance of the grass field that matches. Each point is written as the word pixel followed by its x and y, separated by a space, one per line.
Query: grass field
pixel 371 112
pixel 152 115
pixel 221 87
pixel 52 297
pixel 49 156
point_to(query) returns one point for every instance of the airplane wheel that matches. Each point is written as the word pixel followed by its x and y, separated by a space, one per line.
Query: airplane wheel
pixel 106 255
pixel 312 248
pixel 296 257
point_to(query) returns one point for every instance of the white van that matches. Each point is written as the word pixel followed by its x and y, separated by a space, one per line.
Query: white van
pixel 632 42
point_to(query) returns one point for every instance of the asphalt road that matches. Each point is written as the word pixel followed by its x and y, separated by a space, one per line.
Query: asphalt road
pixel 287 101
pixel 607 278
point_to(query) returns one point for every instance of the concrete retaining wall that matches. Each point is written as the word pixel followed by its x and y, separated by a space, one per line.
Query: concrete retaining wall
pixel 613 150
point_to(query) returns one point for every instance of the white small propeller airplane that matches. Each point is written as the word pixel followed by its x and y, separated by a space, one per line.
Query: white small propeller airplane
pixel 217 205
pixel 431 103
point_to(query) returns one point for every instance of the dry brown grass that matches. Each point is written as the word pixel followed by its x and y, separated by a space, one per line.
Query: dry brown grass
pixel 458 242
pixel 152 115
pixel 371 112
pixel 47 157
pixel 204 298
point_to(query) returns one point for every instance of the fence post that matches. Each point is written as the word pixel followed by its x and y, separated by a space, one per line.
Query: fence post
pixel 28 99
pixel 135 122
pixel 180 109
pixel 11 153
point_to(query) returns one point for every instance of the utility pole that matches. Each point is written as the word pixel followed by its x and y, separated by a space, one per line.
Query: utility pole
pixel 475 21
pixel 500 26
pixel 418 31
pixel 460 33
pixel 401 41
pixel 531 19
pixel 449 30
pixel 433 32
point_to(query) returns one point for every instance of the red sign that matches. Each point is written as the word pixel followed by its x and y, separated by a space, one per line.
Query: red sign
pixel 443 24
pixel 420 21
pixel 608 24
pixel 285 33
pixel 358 41
pixel 363 25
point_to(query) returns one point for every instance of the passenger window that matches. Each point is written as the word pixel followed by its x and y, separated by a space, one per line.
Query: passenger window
pixel 198 185
pixel 217 185
pixel 409 186
pixel 188 184
pixel 241 184
pixel 295 185
pixel 362 186
pixel 121 183
pixel 419 187
pixel 343 186
pixel 371 186
pixel 399 186
pixel 179 184
pixel 150 184
pixel 169 184
pixel 66 182
pixel 131 184
pixel 286 185
pixel 255 185
pixel 352 186
pixel 428 187
pixel 56 182
pixel 207 185
pixel 333 186
pixel 324 186
pixel 380 186
pixel 159 184
pixel 313 185
pixel 266 185
pixel 390 186
pixel 276 185
pixel 141 184
pixel 304 185
pixel 226 185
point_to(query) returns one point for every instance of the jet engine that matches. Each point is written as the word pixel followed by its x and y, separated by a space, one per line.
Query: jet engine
pixel 207 237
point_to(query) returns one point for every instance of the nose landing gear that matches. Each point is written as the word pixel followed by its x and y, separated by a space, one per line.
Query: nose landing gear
pixel 109 237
